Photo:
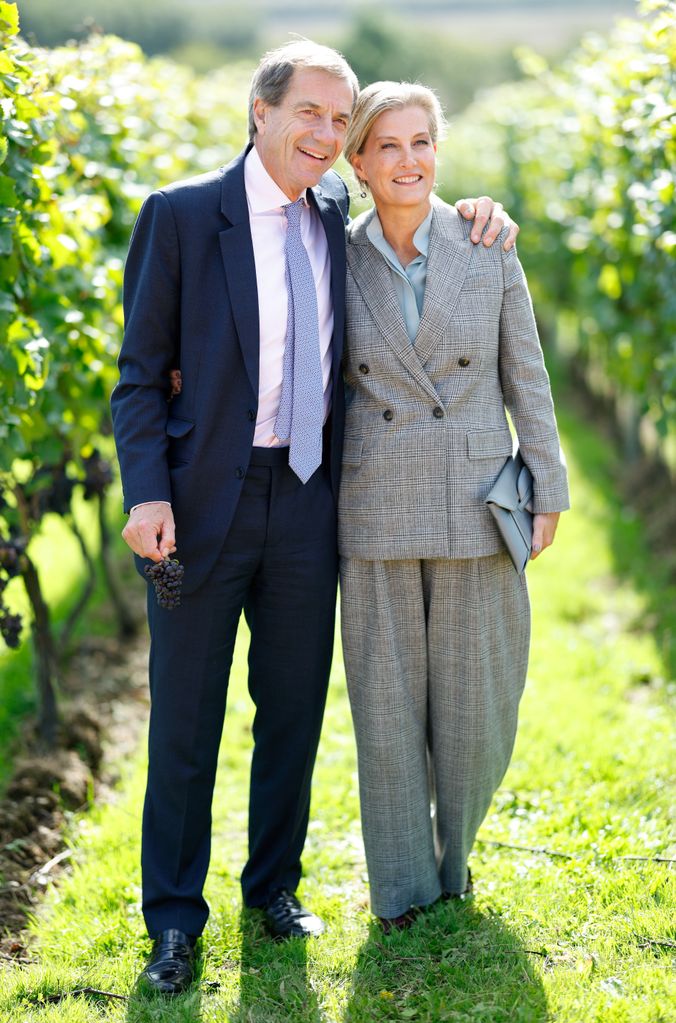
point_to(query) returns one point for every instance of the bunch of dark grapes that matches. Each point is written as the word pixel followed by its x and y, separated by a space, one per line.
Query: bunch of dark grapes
pixel 10 628
pixel 10 625
pixel 98 475
pixel 166 576
pixel 49 490
pixel 10 555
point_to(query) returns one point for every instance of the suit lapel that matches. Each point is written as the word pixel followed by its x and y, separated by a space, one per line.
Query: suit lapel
pixel 449 255
pixel 239 264
pixel 373 277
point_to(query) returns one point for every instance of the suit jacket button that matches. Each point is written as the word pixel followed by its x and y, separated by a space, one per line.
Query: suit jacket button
pixel 463 362
pixel 240 472
pixel 438 412
pixel 252 415
pixel 388 414
pixel 363 368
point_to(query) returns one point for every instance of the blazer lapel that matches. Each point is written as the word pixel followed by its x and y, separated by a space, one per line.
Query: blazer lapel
pixel 448 259
pixel 373 278
pixel 240 267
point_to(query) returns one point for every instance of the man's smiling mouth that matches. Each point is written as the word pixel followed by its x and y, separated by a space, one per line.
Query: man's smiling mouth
pixel 314 155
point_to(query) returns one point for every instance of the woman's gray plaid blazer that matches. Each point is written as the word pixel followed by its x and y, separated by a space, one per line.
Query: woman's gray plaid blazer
pixel 426 432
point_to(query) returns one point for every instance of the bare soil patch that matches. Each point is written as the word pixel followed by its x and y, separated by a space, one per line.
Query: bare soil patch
pixel 104 708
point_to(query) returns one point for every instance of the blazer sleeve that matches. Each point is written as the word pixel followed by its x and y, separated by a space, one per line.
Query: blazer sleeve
pixel 527 393
pixel 150 349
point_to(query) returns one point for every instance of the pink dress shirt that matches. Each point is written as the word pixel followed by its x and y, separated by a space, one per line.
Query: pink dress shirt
pixel 268 233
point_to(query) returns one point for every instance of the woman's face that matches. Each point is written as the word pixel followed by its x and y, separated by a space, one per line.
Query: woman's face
pixel 398 159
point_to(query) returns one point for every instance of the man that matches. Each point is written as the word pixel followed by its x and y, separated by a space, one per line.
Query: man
pixel 237 277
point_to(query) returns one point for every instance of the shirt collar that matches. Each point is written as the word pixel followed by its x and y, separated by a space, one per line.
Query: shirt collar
pixel 421 238
pixel 262 192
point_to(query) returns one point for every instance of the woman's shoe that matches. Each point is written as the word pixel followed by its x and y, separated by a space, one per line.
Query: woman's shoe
pixel 399 923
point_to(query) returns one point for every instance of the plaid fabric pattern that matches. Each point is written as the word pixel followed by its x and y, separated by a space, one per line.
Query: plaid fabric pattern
pixel 436 653
pixel 426 429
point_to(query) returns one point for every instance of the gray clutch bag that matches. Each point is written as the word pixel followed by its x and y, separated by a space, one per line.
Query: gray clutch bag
pixel 511 503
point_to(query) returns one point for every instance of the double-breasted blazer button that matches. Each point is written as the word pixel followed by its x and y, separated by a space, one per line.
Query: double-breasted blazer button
pixel 438 412
pixel 363 368
pixel 240 473
pixel 388 414
pixel 251 414
pixel 463 362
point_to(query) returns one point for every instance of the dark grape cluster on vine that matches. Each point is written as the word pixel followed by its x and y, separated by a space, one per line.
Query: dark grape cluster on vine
pixel 10 627
pixel 166 576
pixel 10 566
pixel 98 475
pixel 10 555
pixel 49 490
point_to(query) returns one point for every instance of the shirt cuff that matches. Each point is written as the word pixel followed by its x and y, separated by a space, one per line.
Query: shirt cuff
pixel 142 503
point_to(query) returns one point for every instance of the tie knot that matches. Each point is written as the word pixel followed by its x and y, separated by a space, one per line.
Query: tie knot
pixel 293 210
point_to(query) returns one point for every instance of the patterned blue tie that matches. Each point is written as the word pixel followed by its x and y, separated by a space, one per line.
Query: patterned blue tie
pixel 301 407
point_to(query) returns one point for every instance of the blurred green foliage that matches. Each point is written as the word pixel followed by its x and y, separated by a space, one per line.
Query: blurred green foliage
pixel 584 157
pixel 87 131
pixel 379 48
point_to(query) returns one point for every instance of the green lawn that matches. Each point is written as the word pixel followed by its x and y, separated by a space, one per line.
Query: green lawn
pixel 576 940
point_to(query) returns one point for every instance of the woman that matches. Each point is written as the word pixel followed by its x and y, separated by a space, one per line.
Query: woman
pixel 441 340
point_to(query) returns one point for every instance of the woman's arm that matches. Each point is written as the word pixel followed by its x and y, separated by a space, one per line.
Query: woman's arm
pixel 527 395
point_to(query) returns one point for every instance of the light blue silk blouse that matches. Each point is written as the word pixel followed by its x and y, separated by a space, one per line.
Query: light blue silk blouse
pixel 409 282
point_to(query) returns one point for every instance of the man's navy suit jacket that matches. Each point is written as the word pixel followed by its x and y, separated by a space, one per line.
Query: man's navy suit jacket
pixel 191 301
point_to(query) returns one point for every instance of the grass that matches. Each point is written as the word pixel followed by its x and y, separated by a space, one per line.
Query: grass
pixel 584 939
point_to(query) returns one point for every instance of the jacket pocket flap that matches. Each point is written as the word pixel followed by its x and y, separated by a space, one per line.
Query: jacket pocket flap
pixel 489 444
pixel 179 427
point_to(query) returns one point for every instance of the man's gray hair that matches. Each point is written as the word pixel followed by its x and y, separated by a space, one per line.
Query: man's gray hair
pixel 273 75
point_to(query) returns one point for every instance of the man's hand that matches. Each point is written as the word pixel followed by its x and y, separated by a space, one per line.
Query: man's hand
pixel 544 528
pixel 484 211
pixel 150 531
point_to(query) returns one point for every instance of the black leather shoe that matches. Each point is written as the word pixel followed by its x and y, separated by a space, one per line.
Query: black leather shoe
pixel 286 918
pixel 171 967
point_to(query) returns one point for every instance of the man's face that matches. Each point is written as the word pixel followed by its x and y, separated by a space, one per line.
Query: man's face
pixel 301 138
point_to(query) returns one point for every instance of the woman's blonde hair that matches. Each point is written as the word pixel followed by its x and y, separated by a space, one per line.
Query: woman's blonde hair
pixel 375 99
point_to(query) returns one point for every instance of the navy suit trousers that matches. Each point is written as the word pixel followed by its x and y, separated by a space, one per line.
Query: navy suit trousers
pixel 278 565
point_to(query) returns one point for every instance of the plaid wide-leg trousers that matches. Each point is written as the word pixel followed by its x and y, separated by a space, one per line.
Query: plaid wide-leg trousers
pixel 436 653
